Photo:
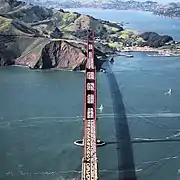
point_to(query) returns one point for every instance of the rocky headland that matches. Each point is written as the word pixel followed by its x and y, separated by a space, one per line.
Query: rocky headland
pixel 42 38
pixel 38 37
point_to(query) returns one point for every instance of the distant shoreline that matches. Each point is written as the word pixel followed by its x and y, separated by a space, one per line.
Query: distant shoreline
pixel 149 49
pixel 131 10
pixel 151 7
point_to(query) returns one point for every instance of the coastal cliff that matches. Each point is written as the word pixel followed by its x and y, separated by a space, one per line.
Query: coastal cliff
pixel 43 54
pixel 26 33
pixel 38 37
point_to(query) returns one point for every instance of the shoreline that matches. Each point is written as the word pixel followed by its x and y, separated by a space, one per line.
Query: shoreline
pixel 161 52
pixel 19 65
pixel 40 70
pixel 112 9
pixel 149 49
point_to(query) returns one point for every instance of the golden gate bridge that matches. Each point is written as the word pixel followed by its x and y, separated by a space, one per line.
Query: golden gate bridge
pixel 89 160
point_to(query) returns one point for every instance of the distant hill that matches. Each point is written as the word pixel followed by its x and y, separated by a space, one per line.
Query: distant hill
pixel 30 19
pixel 171 9
pixel 105 4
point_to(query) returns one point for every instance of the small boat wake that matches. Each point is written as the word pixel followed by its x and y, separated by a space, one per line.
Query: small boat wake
pixel 143 115
pixel 100 108
pixel 160 54
pixel 169 92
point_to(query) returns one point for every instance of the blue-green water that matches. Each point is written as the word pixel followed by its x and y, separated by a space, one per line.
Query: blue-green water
pixel 41 116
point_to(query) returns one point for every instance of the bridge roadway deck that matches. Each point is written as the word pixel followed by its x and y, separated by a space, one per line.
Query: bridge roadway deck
pixel 89 161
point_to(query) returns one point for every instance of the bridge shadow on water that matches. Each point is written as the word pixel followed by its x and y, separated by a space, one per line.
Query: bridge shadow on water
pixel 126 167
pixel 146 141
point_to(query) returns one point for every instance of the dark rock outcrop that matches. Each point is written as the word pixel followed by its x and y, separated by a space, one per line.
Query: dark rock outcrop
pixel 56 33
pixel 43 54
pixel 6 53
pixel 63 55
pixel 102 49
pixel 155 40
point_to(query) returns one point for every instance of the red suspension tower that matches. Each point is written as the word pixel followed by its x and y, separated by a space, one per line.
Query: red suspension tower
pixel 89 160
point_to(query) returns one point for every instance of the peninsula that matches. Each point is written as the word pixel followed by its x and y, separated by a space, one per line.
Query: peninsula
pixel 42 38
